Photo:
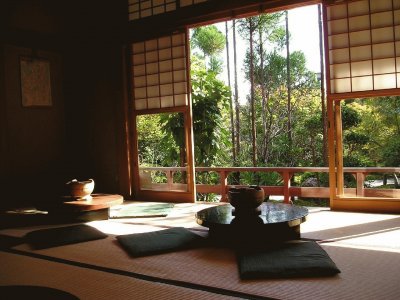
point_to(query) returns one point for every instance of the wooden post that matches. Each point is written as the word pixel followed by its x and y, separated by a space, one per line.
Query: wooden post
pixel 339 149
pixel 223 179
pixel 286 186
pixel 360 184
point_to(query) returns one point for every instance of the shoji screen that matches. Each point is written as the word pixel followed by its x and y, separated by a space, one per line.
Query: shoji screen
pixel 145 8
pixel 363 45
pixel 159 72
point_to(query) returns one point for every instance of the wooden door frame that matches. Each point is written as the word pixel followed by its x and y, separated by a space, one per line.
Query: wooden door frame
pixel 168 196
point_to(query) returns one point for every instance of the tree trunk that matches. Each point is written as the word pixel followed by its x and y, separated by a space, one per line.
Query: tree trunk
pixel 289 91
pixel 230 100
pixel 323 106
pixel 252 96
pixel 237 105
pixel 236 176
pixel 263 96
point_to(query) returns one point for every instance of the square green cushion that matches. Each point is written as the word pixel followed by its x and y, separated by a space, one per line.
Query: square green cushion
pixel 292 259
pixel 53 237
pixel 161 241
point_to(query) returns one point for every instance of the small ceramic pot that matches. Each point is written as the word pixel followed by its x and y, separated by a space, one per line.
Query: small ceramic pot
pixel 81 190
pixel 246 198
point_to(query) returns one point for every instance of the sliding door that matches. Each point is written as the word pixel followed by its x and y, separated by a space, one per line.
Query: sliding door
pixel 162 142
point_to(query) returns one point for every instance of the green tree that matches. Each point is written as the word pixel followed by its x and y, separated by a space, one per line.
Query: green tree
pixel 211 42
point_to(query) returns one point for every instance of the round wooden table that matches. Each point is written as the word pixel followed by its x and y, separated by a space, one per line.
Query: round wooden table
pixel 98 201
pixel 270 222
pixel 96 208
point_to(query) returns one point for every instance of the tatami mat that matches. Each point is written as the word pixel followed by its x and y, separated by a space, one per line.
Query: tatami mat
pixel 364 247
pixel 90 284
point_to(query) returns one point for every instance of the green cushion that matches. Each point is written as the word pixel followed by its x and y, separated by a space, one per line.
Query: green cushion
pixel 292 259
pixel 149 243
pixel 53 237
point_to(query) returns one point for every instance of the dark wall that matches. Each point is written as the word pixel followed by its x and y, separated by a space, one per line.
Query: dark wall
pixel 79 136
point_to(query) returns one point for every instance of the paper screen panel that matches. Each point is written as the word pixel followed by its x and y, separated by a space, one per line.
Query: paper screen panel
pixel 363 42
pixel 138 9
pixel 159 72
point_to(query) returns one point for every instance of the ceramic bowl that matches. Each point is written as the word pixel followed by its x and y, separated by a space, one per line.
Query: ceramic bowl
pixel 246 198
pixel 81 190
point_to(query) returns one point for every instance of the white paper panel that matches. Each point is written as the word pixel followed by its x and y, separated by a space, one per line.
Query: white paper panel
pixel 339 56
pixel 140 93
pixel 396 14
pixel 152 68
pixel 361 68
pixel 167 101
pixel 382 35
pixel 139 81
pixel 360 38
pixel 151 45
pixel 337 26
pixel 152 79
pixel 380 5
pixel 341 85
pixel 382 19
pixel 139 70
pixel 340 70
pixel 145 4
pixel 166 89
pixel 158 10
pixel 387 81
pixel 152 91
pixel 145 13
pixel 358 8
pixel 181 99
pixel 382 66
pixel 154 103
pixel 360 53
pixel 179 64
pixel 171 7
pixel 165 54
pixel 359 23
pixel 151 56
pixel 138 47
pixel 180 88
pixel 180 75
pixel 139 59
pixel 362 83
pixel 383 50
pixel 140 104
pixel 164 42
pixel 339 41
pixel 165 77
pixel 337 12
pixel 165 66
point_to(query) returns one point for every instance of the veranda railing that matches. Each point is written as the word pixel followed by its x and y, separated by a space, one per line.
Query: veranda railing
pixel 285 190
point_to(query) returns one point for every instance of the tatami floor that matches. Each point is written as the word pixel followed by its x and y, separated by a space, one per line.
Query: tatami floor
pixel 364 246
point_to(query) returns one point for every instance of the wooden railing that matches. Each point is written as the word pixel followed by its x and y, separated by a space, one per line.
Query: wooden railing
pixel 285 190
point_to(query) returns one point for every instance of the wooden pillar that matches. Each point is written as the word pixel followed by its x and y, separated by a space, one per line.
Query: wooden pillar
pixel 339 149
pixel 331 152
pixel 286 186
pixel 223 179
pixel 360 184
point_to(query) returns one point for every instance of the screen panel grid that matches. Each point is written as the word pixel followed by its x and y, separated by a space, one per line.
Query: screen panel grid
pixel 364 45
pixel 159 73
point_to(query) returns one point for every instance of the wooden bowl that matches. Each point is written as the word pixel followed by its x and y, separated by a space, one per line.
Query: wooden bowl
pixel 246 198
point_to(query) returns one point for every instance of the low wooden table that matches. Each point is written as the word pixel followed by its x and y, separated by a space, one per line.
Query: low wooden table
pixel 96 208
pixel 270 222
pixel 98 201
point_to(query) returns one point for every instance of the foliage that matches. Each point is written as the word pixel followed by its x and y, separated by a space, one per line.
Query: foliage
pixel 211 42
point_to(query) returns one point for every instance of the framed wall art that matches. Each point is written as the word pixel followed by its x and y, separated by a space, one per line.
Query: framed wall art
pixel 35 82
